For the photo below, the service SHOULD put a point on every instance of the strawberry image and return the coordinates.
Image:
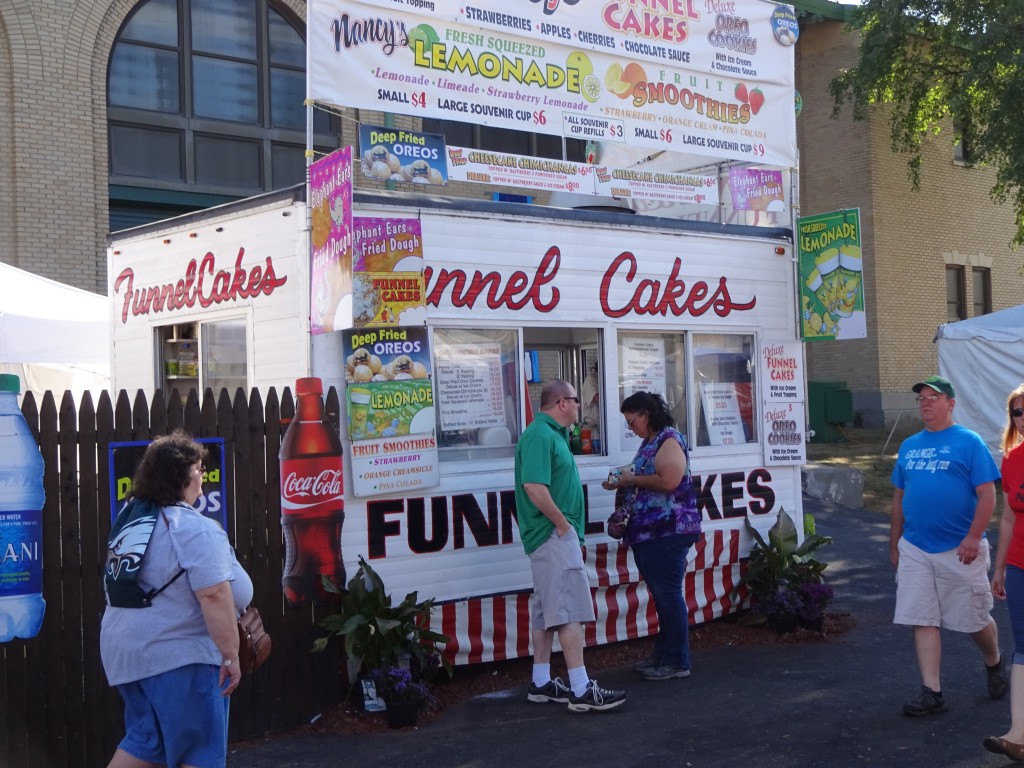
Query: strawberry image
(741, 93)
(756, 100)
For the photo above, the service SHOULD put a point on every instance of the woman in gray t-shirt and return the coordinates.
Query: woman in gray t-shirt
(175, 662)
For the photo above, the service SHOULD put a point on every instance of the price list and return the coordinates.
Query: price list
(469, 386)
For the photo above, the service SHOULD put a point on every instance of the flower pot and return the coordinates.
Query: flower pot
(402, 714)
(815, 625)
(782, 625)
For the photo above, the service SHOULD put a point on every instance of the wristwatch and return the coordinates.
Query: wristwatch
(228, 662)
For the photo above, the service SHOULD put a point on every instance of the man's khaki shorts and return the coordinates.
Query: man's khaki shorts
(561, 590)
(937, 590)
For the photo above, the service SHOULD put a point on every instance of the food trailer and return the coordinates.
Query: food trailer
(454, 313)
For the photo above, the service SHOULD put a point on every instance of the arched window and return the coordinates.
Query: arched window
(204, 105)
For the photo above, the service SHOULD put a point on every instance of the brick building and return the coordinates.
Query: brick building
(84, 149)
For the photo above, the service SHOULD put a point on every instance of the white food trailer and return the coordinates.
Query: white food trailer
(512, 295)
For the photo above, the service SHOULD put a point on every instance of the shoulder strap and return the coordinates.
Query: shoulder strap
(148, 597)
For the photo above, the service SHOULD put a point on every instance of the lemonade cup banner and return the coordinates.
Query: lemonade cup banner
(389, 392)
(501, 69)
(831, 277)
(385, 245)
(408, 157)
(710, 38)
(381, 298)
(330, 274)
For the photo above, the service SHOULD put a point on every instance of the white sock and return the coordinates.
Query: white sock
(541, 674)
(578, 680)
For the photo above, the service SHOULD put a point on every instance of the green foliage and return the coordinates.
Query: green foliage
(941, 65)
(781, 561)
(377, 632)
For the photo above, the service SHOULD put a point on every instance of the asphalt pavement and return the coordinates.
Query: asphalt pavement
(801, 705)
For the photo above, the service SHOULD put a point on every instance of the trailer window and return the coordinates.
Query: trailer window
(723, 376)
(477, 385)
(652, 362)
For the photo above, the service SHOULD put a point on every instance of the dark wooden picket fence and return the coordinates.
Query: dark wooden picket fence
(56, 708)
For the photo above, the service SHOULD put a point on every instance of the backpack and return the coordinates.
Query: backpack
(126, 547)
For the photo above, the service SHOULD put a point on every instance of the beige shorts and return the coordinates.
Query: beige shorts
(937, 590)
(561, 589)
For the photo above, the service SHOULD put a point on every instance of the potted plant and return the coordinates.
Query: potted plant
(814, 598)
(402, 693)
(782, 561)
(781, 609)
(377, 633)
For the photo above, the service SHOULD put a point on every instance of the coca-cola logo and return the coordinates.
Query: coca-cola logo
(325, 484)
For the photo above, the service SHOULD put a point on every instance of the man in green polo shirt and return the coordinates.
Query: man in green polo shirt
(551, 515)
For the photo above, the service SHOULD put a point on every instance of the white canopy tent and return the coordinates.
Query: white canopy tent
(984, 358)
(54, 336)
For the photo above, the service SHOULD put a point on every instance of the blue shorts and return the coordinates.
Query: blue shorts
(178, 717)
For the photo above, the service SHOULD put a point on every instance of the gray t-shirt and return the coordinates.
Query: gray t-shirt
(136, 643)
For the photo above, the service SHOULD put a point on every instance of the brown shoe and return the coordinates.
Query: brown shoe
(1001, 746)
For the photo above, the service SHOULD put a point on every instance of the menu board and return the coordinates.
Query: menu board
(785, 441)
(722, 413)
(781, 371)
(469, 386)
(642, 369)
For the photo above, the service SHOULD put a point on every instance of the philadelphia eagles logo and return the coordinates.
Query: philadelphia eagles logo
(124, 555)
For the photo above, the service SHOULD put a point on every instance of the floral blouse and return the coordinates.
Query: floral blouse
(657, 514)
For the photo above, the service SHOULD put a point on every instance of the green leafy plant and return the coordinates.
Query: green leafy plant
(376, 633)
(782, 561)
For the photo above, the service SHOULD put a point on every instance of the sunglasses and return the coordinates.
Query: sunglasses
(1017, 412)
(574, 399)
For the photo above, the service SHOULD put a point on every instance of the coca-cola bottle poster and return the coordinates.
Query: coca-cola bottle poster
(330, 274)
(389, 399)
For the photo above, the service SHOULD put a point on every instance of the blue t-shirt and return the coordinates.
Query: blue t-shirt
(938, 472)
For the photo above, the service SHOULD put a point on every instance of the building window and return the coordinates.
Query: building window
(205, 98)
(505, 140)
(956, 308)
(982, 286)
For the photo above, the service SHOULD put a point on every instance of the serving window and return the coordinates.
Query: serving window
(487, 381)
(723, 375)
(653, 362)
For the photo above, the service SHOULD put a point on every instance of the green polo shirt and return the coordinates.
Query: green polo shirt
(543, 456)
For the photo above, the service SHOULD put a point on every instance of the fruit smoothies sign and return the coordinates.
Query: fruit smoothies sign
(390, 405)
(330, 198)
(831, 277)
(715, 84)
(392, 154)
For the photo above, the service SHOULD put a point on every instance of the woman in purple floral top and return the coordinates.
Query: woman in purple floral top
(664, 525)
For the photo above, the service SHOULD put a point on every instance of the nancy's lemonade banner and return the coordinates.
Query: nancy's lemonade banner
(705, 78)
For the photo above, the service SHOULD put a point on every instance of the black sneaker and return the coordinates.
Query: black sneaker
(998, 682)
(649, 663)
(927, 702)
(595, 698)
(553, 690)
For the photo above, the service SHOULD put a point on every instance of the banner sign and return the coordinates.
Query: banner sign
(756, 189)
(781, 371)
(391, 154)
(330, 273)
(506, 170)
(387, 245)
(640, 184)
(715, 84)
(831, 277)
(785, 439)
(125, 458)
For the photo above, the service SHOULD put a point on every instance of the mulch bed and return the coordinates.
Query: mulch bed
(350, 717)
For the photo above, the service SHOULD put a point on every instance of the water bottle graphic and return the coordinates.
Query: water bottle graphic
(21, 520)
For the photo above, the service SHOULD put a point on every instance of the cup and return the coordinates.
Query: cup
(171, 367)
(359, 410)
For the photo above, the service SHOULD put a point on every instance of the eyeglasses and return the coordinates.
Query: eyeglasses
(629, 422)
(202, 469)
(574, 399)
(1017, 412)
(927, 398)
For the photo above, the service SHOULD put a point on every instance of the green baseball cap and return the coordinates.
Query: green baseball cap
(939, 384)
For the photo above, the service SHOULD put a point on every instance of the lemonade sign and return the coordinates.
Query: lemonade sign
(831, 277)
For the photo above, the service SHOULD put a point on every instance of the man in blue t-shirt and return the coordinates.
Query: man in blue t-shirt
(944, 499)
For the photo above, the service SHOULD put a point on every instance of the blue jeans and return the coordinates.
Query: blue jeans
(662, 564)
(1015, 604)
